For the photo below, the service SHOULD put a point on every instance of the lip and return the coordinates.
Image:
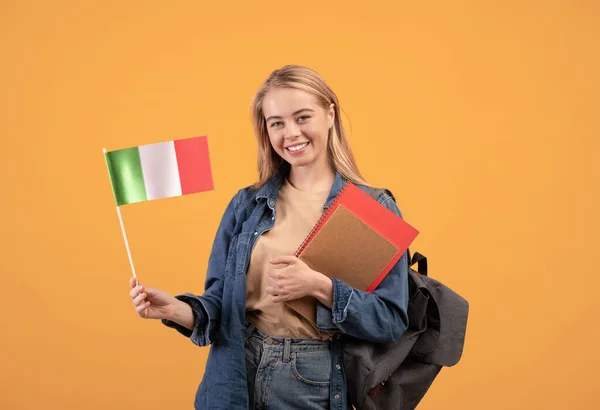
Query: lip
(298, 152)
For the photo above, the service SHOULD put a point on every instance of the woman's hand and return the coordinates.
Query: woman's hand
(297, 280)
(151, 303)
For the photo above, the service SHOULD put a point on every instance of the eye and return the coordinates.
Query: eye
(303, 117)
(275, 123)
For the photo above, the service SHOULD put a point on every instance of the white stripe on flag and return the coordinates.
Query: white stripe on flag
(159, 166)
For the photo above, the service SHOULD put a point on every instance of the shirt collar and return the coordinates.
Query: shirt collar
(270, 189)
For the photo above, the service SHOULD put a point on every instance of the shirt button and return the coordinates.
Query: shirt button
(337, 366)
(337, 396)
(255, 233)
(272, 218)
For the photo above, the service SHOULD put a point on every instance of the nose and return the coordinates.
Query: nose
(292, 131)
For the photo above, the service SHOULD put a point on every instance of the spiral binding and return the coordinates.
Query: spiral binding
(322, 219)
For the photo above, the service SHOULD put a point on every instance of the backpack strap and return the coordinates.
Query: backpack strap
(421, 262)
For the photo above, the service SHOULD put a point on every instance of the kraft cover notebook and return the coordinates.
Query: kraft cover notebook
(357, 240)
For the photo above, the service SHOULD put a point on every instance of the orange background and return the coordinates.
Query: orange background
(478, 116)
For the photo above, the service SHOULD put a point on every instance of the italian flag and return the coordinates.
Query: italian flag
(160, 170)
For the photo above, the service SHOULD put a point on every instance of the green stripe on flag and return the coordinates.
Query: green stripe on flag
(125, 169)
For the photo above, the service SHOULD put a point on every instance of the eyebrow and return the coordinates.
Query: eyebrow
(294, 113)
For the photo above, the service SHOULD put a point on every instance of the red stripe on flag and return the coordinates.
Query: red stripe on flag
(194, 165)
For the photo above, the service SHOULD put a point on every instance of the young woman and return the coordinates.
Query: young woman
(263, 355)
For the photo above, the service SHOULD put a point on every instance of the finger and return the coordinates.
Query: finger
(135, 291)
(133, 282)
(277, 293)
(274, 291)
(140, 299)
(274, 283)
(276, 274)
(288, 259)
(280, 298)
(142, 310)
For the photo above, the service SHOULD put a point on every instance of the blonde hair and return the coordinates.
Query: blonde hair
(339, 153)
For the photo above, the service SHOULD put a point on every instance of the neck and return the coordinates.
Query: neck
(314, 178)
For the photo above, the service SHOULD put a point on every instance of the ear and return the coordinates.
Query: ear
(331, 115)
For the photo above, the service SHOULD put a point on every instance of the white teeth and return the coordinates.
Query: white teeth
(298, 147)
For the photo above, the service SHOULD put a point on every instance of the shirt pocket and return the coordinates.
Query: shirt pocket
(231, 252)
(238, 254)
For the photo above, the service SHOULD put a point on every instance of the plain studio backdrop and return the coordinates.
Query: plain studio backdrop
(482, 118)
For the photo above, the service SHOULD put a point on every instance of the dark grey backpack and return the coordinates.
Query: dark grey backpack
(397, 375)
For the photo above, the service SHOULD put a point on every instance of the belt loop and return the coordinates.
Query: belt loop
(249, 329)
(286, 349)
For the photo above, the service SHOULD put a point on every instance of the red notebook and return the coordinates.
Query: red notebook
(357, 240)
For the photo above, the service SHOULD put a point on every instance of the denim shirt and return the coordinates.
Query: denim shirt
(220, 313)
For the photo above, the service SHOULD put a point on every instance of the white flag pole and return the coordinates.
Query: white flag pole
(122, 227)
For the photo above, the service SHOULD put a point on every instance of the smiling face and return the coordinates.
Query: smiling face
(298, 126)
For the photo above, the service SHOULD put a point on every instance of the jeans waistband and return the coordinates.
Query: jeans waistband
(285, 344)
(275, 340)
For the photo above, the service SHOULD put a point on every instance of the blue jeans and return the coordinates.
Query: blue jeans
(287, 373)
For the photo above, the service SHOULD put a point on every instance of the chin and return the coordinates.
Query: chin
(300, 162)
